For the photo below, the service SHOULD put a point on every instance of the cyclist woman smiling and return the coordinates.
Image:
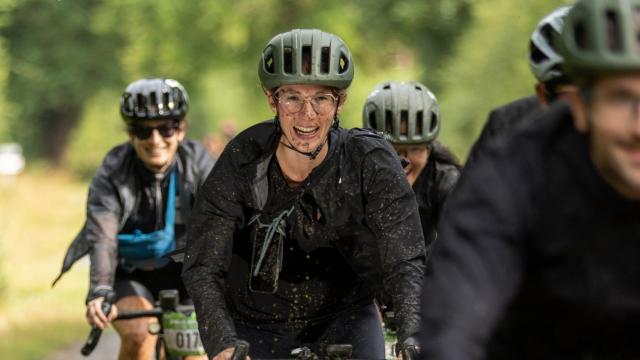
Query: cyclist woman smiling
(301, 221)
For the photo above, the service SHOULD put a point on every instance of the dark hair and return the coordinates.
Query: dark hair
(442, 154)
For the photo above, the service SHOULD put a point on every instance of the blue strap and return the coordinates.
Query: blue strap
(155, 244)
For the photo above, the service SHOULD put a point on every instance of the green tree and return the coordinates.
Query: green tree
(57, 59)
(489, 68)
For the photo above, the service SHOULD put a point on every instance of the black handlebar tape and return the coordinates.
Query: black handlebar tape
(241, 351)
(94, 335)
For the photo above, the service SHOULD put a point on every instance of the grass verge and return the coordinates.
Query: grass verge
(40, 212)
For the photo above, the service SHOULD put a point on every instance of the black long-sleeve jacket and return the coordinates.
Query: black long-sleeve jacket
(432, 188)
(366, 209)
(115, 192)
(501, 121)
(537, 255)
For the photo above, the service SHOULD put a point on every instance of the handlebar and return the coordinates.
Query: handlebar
(168, 302)
(94, 335)
(334, 352)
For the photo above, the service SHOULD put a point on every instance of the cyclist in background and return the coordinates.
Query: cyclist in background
(552, 84)
(408, 115)
(136, 210)
(539, 242)
(301, 221)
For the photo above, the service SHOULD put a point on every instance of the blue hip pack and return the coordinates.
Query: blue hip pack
(141, 246)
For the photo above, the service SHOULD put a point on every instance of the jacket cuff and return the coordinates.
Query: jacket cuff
(98, 291)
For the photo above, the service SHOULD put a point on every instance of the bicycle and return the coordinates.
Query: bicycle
(176, 328)
(334, 352)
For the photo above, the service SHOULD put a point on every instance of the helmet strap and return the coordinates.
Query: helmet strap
(312, 155)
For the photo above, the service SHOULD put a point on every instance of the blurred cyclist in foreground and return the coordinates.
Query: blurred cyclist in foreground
(539, 242)
(552, 84)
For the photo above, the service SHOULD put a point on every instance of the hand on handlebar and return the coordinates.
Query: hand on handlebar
(96, 317)
(226, 354)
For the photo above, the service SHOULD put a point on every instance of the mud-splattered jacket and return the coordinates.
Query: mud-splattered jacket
(537, 256)
(365, 211)
(432, 187)
(113, 195)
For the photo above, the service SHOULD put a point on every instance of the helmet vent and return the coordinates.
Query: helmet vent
(404, 123)
(613, 30)
(434, 123)
(580, 34)
(537, 56)
(153, 103)
(547, 32)
(325, 59)
(372, 120)
(418, 88)
(306, 60)
(126, 103)
(419, 121)
(179, 100)
(387, 87)
(165, 100)
(636, 18)
(388, 122)
(288, 60)
(343, 64)
(268, 61)
(141, 103)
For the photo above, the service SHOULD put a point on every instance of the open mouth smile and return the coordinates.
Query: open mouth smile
(306, 132)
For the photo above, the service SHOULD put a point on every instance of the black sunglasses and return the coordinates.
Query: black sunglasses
(144, 132)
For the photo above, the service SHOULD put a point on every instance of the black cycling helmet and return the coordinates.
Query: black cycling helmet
(601, 36)
(406, 112)
(544, 60)
(153, 99)
(328, 58)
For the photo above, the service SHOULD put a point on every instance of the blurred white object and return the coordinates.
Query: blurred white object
(11, 159)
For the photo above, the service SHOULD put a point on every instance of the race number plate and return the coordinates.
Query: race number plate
(181, 334)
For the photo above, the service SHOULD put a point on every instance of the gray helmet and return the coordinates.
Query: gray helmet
(544, 60)
(600, 36)
(406, 112)
(152, 99)
(328, 56)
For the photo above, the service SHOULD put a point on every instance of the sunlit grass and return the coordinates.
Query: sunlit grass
(40, 213)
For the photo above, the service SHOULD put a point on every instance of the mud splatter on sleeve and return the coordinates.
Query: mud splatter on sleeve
(392, 213)
(215, 218)
(103, 214)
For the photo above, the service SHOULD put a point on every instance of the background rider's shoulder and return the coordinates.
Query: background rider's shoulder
(116, 158)
(363, 141)
(250, 145)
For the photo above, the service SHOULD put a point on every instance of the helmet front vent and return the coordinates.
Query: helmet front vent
(419, 122)
(404, 123)
(325, 59)
(613, 31)
(388, 122)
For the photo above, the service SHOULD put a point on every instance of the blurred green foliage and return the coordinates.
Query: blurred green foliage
(64, 63)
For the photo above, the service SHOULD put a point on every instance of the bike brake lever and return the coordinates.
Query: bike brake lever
(94, 335)
(241, 351)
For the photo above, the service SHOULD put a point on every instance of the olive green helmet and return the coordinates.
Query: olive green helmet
(601, 36)
(406, 112)
(306, 56)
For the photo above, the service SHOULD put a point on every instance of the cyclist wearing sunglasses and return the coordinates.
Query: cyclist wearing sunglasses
(552, 84)
(301, 221)
(138, 202)
(539, 242)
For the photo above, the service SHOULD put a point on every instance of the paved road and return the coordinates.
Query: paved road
(107, 349)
